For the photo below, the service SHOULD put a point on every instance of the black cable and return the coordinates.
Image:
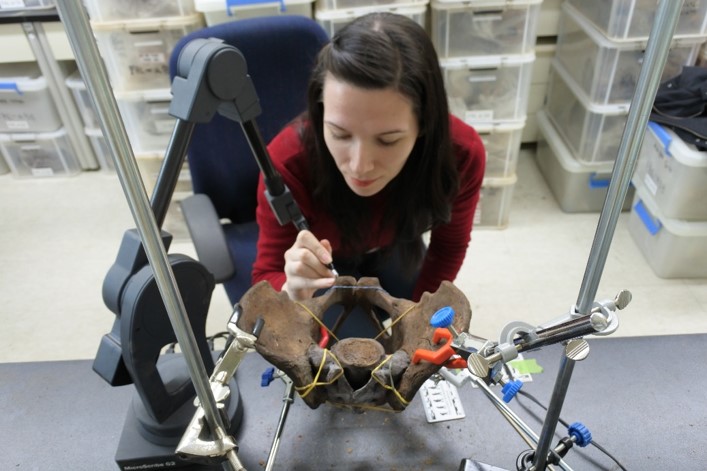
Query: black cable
(566, 424)
(563, 422)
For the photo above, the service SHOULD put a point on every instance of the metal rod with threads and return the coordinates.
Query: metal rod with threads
(646, 87)
(657, 49)
(93, 71)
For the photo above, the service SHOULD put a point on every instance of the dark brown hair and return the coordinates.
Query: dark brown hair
(378, 51)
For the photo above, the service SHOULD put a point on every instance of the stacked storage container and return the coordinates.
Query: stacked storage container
(33, 141)
(136, 39)
(334, 14)
(599, 52)
(487, 52)
(668, 220)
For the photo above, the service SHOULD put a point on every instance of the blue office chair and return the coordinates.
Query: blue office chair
(280, 52)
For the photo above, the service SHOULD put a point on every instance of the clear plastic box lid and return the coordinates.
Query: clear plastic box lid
(221, 5)
(147, 24)
(500, 181)
(32, 136)
(675, 147)
(498, 126)
(21, 77)
(402, 9)
(483, 4)
(153, 94)
(678, 227)
(75, 82)
(483, 62)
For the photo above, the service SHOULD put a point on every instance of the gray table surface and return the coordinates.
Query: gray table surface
(642, 398)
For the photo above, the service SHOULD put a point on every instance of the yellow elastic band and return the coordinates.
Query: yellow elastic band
(317, 319)
(389, 387)
(395, 321)
(315, 382)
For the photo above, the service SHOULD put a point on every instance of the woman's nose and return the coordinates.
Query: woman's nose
(361, 160)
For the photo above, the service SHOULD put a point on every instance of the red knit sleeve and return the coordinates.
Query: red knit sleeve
(449, 242)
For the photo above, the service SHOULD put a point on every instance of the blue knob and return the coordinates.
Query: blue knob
(510, 390)
(581, 434)
(443, 317)
(267, 377)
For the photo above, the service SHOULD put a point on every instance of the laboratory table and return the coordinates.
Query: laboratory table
(642, 398)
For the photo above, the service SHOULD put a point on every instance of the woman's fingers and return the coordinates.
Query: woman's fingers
(305, 266)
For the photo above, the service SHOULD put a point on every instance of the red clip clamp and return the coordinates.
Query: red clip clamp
(445, 355)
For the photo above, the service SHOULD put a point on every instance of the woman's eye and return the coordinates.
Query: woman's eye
(388, 143)
(340, 137)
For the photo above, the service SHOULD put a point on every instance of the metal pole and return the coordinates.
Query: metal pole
(94, 73)
(553, 412)
(657, 49)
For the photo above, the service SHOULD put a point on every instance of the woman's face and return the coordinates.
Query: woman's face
(370, 133)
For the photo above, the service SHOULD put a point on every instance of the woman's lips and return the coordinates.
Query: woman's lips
(361, 183)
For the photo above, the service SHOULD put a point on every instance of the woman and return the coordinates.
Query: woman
(374, 163)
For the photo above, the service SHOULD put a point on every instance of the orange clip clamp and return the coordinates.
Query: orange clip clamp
(443, 355)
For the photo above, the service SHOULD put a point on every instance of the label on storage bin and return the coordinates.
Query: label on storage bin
(152, 58)
(17, 125)
(478, 115)
(12, 4)
(651, 186)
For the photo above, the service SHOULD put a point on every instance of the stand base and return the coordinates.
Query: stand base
(137, 452)
(469, 465)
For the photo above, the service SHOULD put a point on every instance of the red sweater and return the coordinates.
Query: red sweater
(448, 242)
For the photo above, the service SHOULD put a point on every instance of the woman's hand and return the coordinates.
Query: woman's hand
(305, 266)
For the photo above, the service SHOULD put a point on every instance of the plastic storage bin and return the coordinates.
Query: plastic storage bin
(674, 173)
(576, 187)
(150, 163)
(26, 105)
(502, 144)
(488, 88)
(485, 27)
(14, 5)
(674, 248)
(136, 53)
(333, 20)
(592, 132)
(3, 165)
(633, 19)
(39, 154)
(607, 71)
(494, 208)
(217, 11)
(82, 99)
(112, 10)
(147, 120)
(100, 148)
